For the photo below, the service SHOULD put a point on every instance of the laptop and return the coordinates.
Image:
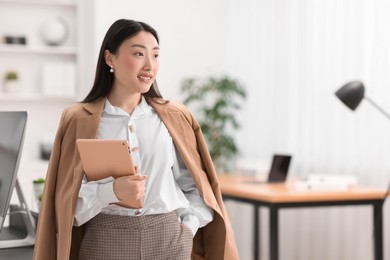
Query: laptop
(279, 169)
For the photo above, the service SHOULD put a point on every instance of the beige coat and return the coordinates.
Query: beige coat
(58, 239)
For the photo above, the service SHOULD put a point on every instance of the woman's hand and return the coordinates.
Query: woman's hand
(131, 187)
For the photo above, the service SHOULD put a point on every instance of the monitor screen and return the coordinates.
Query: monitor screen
(12, 127)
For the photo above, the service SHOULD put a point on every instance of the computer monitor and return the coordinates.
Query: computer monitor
(12, 126)
(12, 129)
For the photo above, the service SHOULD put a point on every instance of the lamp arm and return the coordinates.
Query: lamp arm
(377, 107)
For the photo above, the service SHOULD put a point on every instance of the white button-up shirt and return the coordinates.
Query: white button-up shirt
(169, 185)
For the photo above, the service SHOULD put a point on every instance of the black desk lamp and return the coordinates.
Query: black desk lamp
(352, 93)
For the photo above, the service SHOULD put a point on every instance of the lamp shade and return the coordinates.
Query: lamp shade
(351, 94)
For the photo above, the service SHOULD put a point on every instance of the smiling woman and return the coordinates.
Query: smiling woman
(183, 215)
(135, 65)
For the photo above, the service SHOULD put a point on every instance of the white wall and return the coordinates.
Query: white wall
(293, 56)
(188, 30)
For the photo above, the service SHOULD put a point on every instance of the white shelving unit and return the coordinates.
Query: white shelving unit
(26, 18)
(31, 97)
(42, 69)
(38, 50)
(42, 3)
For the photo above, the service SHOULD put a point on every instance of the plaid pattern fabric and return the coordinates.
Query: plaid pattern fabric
(150, 237)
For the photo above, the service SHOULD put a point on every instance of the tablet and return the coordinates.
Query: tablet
(102, 158)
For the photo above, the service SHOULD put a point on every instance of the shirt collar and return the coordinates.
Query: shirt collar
(141, 109)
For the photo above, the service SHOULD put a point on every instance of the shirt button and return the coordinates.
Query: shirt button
(137, 212)
(132, 128)
(135, 149)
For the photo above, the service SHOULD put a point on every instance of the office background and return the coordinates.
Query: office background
(291, 55)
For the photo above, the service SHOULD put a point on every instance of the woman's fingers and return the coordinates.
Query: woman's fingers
(130, 187)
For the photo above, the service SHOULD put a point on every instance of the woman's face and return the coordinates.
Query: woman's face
(135, 64)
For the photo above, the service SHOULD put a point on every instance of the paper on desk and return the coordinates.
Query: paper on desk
(326, 182)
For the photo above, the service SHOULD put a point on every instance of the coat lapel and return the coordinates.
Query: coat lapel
(87, 128)
(178, 129)
(173, 120)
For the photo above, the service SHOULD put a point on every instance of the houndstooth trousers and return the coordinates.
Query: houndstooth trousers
(150, 237)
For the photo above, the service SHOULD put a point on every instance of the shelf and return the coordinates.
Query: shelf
(25, 49)
(35, 163)
(41, 3)
(34, 97)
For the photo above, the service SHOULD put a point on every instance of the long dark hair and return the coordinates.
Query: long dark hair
(118, 32)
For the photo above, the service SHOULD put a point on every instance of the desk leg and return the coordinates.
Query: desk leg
(274, 237)
(256, 237)
(378, 231)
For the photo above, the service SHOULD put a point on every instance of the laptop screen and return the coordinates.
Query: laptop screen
(12, 127)
(279, 168)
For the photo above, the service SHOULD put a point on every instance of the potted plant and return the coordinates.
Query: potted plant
(11, 82)
(38, 185)
(217, 101)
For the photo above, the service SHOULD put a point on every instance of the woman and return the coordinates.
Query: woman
(183, 215)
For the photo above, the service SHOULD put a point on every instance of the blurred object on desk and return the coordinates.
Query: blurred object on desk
(326, 182)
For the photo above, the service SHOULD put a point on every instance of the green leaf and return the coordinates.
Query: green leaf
(39, 180)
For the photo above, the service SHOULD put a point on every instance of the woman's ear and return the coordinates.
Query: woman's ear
(108, 58)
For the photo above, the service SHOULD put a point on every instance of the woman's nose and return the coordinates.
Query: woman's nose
(148, 64)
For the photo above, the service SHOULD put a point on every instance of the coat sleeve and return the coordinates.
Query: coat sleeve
(231, 252)
(46, 238)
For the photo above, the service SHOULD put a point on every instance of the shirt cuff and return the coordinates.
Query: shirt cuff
(106, 193)
(192, 222)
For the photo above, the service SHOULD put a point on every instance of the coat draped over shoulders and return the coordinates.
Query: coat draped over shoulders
(57, 238)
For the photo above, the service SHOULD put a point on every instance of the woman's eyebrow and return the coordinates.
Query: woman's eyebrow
(144, 47)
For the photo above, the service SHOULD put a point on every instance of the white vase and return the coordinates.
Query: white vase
(12, 86)
(38, 191)
(55, 31)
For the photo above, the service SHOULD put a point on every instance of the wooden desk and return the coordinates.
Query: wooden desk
(282, 195)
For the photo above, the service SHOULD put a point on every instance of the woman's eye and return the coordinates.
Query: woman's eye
(139, 54)
(156, 55)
